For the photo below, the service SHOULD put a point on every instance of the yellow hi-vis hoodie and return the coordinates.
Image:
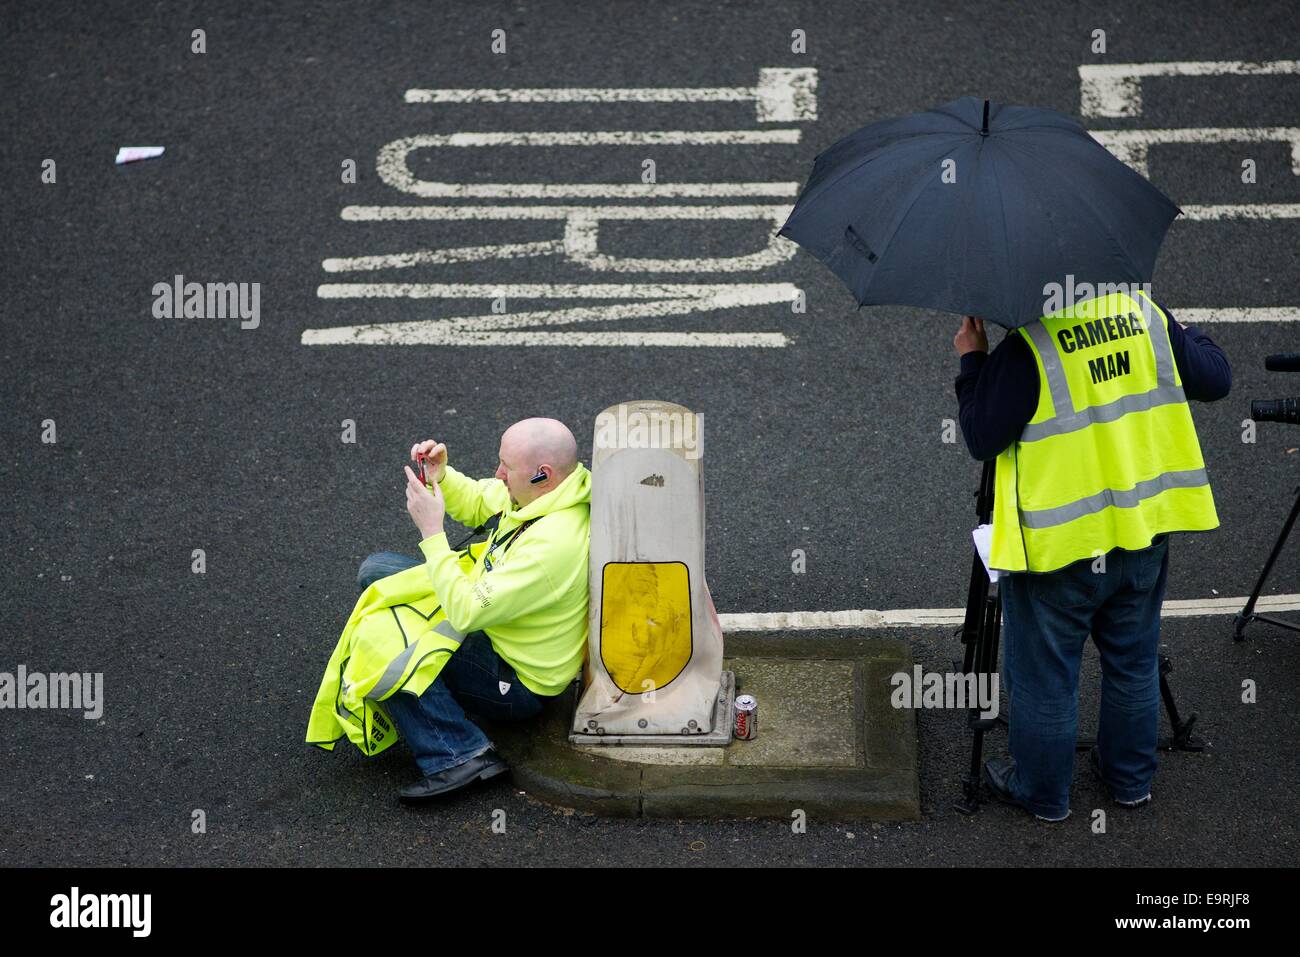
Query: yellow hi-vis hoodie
(396, 640)
(527, 589)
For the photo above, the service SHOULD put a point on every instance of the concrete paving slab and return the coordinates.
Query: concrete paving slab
(829, 743)
(806, 716)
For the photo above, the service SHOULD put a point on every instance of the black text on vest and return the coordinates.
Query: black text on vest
(1100, 331)
(1110, 366)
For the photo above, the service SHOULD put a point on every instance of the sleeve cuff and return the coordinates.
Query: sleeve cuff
(435, 545)
(972, 362)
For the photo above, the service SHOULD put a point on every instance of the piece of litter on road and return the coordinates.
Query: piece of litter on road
(129, 154)
(1215, 590)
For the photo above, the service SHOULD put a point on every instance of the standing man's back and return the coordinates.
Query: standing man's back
(1098, 460)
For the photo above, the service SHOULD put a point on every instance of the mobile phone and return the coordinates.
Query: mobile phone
(422, 462)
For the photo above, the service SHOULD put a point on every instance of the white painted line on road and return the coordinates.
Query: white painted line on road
(458, 337)
(585, 94)
(449, 213)
(1132, 146)
(458, 254)
(1256, 314)
(1115, 89)
(443, 331)
(400, 178)
(950, 617)
(782, 95)
(582, 226)
(596, 138)
(1243, 211)
(755, 293)
(394, 171)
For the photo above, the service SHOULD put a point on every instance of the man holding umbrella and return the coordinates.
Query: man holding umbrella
(982, 210)
(1115, 589)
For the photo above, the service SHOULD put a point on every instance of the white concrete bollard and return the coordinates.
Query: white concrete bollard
(654, 652)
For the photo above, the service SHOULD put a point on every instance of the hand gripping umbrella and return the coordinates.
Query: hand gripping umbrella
(973, 207)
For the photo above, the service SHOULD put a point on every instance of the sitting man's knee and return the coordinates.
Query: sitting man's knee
(370, 570)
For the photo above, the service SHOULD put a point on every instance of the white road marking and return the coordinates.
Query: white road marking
(582, 227)
(393, 170)
(1132, 146)
(1228, 314)
(949, 617)
(448, 213)
(474, 330)
(400, 178)
(782, 95)
(1243, 211)
(1115, 89)
(458, 254)
(596, 138)
(755, 293)
(458, 337)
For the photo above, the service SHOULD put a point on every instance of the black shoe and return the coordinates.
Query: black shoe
(1094, 758)
(997, 775)
(480, 768)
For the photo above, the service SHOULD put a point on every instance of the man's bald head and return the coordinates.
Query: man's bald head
(536, 445)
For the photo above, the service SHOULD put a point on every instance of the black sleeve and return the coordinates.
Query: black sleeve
(1202, 365)
(997, 394)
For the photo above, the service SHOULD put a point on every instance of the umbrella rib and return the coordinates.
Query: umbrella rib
(1084, 198)
(917, 192)
(873, 155)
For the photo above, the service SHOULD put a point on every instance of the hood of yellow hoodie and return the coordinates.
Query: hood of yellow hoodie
(574, 490)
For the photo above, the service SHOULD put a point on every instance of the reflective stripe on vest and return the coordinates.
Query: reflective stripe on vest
(1113, 462)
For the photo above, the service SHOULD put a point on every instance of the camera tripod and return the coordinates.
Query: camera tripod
(980, 633)
(1248, 614)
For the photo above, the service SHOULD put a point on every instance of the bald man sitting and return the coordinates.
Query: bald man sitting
(523, 606)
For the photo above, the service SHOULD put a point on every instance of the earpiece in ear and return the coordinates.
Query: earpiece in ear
(539, 477)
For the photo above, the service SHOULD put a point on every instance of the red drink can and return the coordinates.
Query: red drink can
(746, 727)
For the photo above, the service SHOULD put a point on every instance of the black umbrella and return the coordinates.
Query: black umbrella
(974, 208)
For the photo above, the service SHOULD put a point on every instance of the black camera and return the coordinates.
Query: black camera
(1278, 410)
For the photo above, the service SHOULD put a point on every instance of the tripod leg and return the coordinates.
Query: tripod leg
(979, 634)
(1247, 614)
(1182, 738)
(983, 653)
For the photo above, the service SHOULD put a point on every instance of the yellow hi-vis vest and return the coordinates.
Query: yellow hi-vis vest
(1110, 457)
(396, 641)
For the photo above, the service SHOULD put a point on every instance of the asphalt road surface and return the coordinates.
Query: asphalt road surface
(824, 429)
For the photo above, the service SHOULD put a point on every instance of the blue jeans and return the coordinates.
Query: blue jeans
(435, 725)
(1046, 618)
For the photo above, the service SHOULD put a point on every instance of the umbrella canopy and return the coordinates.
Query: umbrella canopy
(974, 208)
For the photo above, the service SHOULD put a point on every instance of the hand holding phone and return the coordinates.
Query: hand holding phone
(431, 461)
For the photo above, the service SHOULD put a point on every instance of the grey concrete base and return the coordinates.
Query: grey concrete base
(724, 713)
(829, 743)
